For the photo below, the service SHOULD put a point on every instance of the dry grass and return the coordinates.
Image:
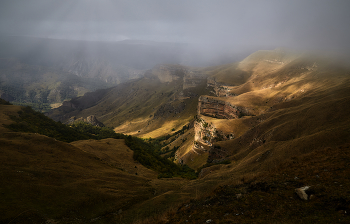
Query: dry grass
(270, 197)
(303, 135)
(44, 179)
(115, 153)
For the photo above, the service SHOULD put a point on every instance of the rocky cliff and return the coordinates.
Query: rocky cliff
(219, 89)
(205, 133)
(219, 109)
(90, 120)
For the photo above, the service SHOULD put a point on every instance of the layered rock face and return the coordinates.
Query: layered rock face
(219, 109)
(219, 89)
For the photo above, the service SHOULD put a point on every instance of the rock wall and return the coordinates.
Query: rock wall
(219, 109)
(205, 133)
(219, 89)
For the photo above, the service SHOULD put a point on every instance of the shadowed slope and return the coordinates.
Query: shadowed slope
(45, 180)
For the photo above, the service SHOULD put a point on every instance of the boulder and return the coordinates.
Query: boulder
(301, 192)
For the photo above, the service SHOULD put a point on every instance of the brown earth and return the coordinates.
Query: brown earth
(297, 134)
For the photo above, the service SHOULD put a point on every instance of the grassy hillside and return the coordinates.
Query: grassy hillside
(271, 198)
(101, 181)
(147, 107)
(297, 134)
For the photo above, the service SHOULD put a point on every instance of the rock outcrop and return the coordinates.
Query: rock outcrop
(93, 121)
(219, 109)
(90, 120)
(219, 89)
(205, 133)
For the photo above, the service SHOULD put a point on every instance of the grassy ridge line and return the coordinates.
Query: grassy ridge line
(4, 102)
(31, 121)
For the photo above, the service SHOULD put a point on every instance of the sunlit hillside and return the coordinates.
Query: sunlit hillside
(254, 131)
(165, 99)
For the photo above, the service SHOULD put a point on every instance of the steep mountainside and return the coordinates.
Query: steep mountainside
(43, 72)
(45, 180)
(41, 87)
(288, 103)
(239, 102)
(269, 137)
(275, 124)
(165, 98)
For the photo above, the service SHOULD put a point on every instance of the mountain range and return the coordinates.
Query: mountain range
(257, 132)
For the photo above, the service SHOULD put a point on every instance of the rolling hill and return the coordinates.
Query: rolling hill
(98, 181)
(165, 98)
(255, 131)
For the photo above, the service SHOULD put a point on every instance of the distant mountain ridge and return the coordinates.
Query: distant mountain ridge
(222, 97)
(257, 131)
(41, 71)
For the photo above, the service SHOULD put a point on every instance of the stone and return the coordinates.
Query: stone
(93, 121)
(301, 192)
(217, 108)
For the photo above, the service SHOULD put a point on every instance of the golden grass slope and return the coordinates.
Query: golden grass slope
(300, 136)
(131, 108)
(294, 133)
(44, 180)
(301, 104)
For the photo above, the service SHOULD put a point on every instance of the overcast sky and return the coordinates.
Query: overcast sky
(272, 23)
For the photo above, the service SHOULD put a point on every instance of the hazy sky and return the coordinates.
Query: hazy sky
(272, 23)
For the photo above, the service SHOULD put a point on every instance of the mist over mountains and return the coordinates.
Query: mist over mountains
(43, 71)
(172, 112)
(208, 143)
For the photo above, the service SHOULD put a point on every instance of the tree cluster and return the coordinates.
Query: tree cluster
(147, 153)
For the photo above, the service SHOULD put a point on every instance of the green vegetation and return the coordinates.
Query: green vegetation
(4, 102)
(31, 121)
(172, 151)
(97, 132)
(147, 153)
(42, 107)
